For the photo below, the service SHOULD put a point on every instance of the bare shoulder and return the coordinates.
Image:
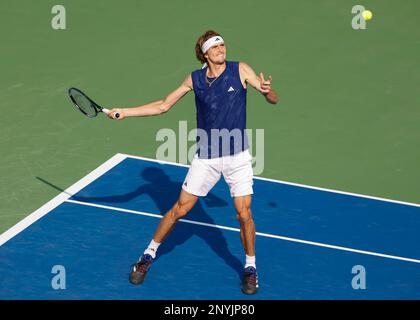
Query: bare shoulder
(188, 82)
(245, 70)
(244, 66)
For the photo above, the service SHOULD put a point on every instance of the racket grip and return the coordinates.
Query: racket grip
(117, 115)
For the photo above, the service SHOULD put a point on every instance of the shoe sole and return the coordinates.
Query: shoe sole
(136, 281)
(249, 291)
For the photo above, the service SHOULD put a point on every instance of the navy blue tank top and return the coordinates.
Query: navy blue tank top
(221, 112)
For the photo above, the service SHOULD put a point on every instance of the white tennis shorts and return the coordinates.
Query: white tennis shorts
(205, 173)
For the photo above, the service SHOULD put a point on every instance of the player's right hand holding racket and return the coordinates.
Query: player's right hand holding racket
(89, 107)
(116, 111)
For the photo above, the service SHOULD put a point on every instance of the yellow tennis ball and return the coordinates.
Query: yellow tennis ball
(367, 15)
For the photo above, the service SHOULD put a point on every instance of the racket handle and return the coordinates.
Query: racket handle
(117, 115)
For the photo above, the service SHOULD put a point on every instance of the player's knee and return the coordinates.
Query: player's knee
(244, 215)
(181, 210)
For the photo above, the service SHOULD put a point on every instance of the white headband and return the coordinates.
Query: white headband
(211, 42)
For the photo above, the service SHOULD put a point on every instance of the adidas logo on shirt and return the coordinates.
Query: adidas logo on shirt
(231, 89)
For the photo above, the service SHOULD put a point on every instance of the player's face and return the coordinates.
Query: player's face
(217, 53)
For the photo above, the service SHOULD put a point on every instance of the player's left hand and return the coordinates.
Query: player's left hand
(265, 84)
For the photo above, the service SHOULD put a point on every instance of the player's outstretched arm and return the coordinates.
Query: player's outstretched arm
(258, 82)
(156, 107)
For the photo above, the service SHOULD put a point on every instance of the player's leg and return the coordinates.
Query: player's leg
(246, 221)
(243, 209)
(237, 171)
(184, 204)
(199, 181)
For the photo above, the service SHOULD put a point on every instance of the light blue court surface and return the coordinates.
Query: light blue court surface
(307, 244)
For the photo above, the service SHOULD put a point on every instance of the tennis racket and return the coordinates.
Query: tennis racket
(86, 105)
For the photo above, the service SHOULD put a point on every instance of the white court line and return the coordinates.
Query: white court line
(290, 183)
(59, 199)
(318, 244)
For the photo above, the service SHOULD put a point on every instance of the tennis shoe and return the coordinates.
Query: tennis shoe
(140, 268)
(250, 281)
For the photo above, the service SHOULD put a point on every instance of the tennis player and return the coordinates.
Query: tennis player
(220, 89)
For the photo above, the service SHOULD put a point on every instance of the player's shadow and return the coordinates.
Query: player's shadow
(164, 192)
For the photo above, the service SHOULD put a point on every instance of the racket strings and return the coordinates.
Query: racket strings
(84, 104)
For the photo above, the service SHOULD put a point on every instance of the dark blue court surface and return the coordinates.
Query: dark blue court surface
(296, 226)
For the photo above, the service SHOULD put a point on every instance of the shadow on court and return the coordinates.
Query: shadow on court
(164, 192)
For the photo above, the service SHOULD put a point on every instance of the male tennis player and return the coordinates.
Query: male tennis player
(220, 89)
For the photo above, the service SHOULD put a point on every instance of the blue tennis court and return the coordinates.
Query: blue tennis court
(308, 241)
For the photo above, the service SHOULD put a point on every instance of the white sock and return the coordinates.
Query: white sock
(152, 248)
(250, 261)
